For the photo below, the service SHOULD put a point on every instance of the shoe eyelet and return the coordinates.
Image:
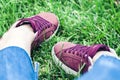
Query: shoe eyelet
(69, 51)
(73, 53)
(85, 55)
(77, 54)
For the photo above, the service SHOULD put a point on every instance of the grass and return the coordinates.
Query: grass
(81, 21)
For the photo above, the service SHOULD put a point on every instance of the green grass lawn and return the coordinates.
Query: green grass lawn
(81, 21)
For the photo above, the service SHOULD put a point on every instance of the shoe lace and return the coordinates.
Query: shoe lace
(43, 24)
(81, 51)
(38, 23)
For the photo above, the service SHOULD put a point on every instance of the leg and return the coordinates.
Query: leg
(15, 47)
(16, 44)
(22, 36)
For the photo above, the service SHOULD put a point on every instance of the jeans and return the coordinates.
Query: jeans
(105, 68)
(15, 64)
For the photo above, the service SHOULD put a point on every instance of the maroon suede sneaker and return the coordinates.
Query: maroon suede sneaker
(72, 57)
(44, 24)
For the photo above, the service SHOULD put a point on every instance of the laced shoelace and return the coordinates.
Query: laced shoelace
(38, 23)
(78, 50)
(81, 51)
(43, 24)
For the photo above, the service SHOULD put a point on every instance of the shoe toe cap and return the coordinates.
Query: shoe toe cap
(62, 45)
(50, 17)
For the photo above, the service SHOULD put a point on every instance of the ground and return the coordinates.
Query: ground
(81, 21)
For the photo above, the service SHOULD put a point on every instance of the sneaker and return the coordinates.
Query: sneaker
(75, 58)
(45, 24)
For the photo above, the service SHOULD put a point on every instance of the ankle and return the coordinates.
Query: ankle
(26, 27)
(22, 36)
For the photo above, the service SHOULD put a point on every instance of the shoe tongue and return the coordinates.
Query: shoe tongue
(95, 48)
(36, 22)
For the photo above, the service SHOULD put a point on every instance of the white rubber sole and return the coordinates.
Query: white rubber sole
(62, 65)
